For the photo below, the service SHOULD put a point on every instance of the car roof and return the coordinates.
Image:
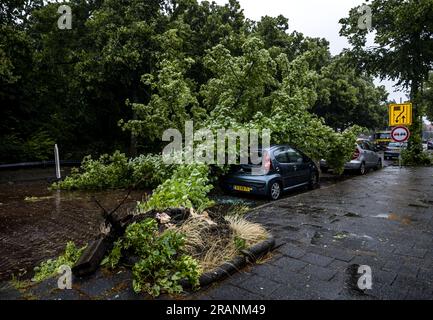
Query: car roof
(275, 146)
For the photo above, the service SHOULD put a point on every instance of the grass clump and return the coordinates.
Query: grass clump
(213, 243)
(249, 232)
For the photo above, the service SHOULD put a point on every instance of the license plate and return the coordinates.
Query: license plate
(243, 189)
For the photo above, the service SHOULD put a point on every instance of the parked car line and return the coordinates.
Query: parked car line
(365, 157)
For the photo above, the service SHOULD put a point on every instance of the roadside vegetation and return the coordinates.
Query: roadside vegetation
(188, 187)
(116, 171)
(181, 251)
(409, 158)
(164, 254)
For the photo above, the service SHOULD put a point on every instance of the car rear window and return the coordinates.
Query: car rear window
(250, 162)
(281, 156)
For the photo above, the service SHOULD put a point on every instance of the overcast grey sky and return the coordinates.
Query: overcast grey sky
(314, 18)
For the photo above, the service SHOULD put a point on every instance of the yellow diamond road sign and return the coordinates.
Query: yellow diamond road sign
(400, 114)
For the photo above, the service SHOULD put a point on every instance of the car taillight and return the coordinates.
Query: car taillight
(356, 154)
(267, 163)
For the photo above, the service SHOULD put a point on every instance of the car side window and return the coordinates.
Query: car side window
(281, 156)
(294, 156)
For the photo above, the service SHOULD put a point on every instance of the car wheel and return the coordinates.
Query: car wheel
(275, 190)
(379, 164)
(314, 180)
(362, 169)
(324, 170)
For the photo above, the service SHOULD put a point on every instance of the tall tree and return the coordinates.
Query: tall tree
(427, 97)
(347, 98)
(403, 49)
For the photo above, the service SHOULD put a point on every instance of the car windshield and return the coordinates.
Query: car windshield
(247, 167)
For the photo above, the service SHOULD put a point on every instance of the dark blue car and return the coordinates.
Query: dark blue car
(284, 167)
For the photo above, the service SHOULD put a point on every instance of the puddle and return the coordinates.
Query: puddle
(344, 235)
(383, 216)
(364, 236)
(34, 199)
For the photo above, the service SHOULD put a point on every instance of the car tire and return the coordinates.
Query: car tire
(324, 170)
(314, 180)
(379, 164)
(275, 190)
(362, 169)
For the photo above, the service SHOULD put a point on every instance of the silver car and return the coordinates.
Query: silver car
(364, 158)
(393, 150)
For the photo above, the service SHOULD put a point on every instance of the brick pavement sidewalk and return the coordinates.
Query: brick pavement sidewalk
(383, 220)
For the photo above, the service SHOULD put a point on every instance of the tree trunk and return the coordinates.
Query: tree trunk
(133, 141)
(415, 141)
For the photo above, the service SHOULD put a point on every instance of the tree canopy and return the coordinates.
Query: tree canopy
(144, 66)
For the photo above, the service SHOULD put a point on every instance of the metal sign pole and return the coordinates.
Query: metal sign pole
(57, 161)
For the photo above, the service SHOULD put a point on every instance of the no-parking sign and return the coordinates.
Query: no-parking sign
(400, 134)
